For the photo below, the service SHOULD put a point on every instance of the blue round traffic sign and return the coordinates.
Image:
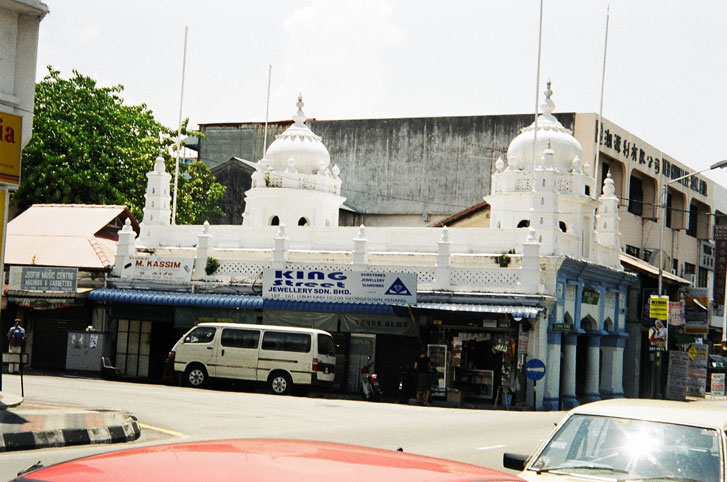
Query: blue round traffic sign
(535, 369)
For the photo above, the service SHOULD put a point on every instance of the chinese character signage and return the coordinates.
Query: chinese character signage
(720, 263)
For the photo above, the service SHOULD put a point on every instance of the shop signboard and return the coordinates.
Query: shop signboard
(717, 384)
(676, 383)
(720, 264)
(340, 286)
(676, 313)
(10, 131)
(158, 268)
(695, 313)
(697, 371)
(659, 315)
(32, 278)
(562, 327)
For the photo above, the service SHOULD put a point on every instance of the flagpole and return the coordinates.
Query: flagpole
(267, 110)
(599, 129)
(537, 87)
(179, 129)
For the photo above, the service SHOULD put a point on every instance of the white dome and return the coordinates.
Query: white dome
(298, 143)
(551, 134)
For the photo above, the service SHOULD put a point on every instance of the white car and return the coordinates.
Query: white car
(627, 439)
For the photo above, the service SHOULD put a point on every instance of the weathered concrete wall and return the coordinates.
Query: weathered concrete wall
(428, 167)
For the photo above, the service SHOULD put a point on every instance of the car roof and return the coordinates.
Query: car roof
(698, 413)
(294, 329)
(264, 459)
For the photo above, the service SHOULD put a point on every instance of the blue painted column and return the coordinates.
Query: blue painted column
(551, 394)
(568, 398)
(593, 366)
(612, 347)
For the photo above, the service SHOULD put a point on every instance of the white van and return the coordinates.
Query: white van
(279, 356)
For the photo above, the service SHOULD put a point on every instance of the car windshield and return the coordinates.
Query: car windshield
(632, 449)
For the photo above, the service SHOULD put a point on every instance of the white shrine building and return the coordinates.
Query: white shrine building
(544, 281)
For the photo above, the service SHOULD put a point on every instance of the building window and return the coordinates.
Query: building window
(633, 251)
(275, 221)
(702, 278)
(636, 196)
(693, 217)
(668, 211)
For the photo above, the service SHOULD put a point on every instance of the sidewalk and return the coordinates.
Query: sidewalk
(29, 427)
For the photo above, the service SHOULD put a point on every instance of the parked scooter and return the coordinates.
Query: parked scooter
(407, 379)
(370, 383)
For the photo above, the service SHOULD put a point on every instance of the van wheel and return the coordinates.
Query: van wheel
(195, 376)
(280, 383)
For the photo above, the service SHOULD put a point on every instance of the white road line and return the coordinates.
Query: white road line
(492, 447)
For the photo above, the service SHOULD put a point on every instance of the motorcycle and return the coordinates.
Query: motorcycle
(370, 383)
(407, 381)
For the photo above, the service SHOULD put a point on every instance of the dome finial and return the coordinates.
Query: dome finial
(548, 106)
(299, 116)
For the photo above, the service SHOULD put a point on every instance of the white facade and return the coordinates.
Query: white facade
(542, 214)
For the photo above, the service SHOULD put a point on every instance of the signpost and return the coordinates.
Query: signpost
(535, 370)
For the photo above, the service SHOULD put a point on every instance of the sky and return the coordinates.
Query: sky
(665, 76)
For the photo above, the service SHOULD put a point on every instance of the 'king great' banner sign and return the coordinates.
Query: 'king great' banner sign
(340, 286)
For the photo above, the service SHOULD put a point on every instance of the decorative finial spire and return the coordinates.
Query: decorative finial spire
(548, 106)
(299, 116)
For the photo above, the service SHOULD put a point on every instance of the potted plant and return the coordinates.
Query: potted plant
(504, 260)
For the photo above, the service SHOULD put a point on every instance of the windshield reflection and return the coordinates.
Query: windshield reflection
(596, 445)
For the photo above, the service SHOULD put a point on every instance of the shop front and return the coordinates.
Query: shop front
(478, 351)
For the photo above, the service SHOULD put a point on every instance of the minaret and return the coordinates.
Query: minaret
(157, 198)
(607, 220)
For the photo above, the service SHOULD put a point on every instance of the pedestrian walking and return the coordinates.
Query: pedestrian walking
(423, 368)
(16, 339)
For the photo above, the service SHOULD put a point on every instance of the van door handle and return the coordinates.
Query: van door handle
(223, 353)
(209, 347)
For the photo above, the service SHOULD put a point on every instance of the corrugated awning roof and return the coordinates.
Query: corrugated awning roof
(64, 235)
(209, 300)
(649, 269)
(513, 310)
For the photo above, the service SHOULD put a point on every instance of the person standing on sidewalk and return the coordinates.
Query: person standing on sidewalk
(16, 338)
(423, 367)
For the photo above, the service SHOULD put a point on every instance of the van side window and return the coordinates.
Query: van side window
(279, 341)
(203, 334)
(240, 338)
(326, 345)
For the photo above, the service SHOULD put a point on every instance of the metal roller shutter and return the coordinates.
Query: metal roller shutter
(50, 335)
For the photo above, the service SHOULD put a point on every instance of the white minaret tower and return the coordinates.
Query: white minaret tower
(293, 185)
(156, 206)
(607, 220)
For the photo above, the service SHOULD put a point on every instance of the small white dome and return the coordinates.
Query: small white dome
(551, 134)
(299, 144)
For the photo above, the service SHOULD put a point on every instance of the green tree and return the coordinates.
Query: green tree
(88, 147)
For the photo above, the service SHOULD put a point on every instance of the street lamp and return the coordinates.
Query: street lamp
(717, 165)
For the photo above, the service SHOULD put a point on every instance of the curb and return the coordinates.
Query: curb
(125, 432)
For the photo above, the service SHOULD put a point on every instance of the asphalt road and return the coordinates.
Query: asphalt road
(169, 414)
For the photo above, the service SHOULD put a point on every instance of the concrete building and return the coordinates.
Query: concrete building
(20, 23)
(544, 280)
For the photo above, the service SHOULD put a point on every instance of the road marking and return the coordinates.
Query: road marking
(163, 430)
(492, 447)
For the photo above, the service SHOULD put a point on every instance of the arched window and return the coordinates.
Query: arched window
(275, 221)
(303, 222)
(562, 226)
(525, 223)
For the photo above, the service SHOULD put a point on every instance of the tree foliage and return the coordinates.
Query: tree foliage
(88, 147)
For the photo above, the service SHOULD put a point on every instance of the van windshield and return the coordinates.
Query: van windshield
(326, 345)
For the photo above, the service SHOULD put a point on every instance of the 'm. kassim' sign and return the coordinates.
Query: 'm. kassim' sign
(158, 268)
(340, 286)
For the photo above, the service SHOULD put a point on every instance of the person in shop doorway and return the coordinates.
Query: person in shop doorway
(16, 338)
(423, 368)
